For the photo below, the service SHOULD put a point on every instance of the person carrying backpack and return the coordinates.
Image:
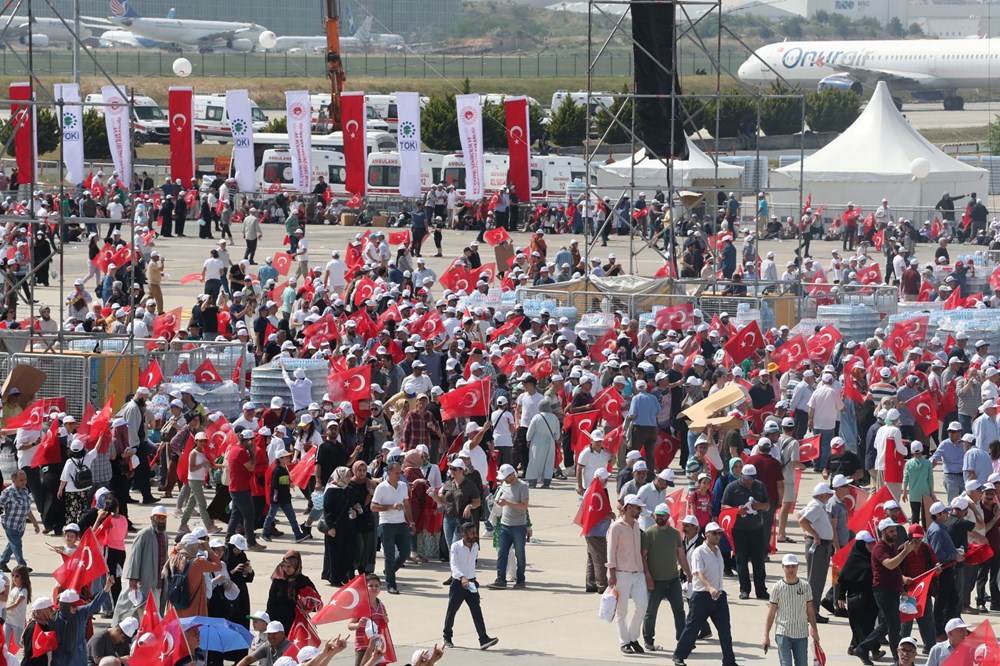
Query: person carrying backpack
(76, 484)
(185, 579)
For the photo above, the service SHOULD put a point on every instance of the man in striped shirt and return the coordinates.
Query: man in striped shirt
(791, 612)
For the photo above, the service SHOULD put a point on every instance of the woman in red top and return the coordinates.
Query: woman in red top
(377, 614)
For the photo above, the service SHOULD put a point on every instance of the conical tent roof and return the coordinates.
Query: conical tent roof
(650, 170)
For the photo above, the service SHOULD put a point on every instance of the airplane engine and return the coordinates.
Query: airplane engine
(841, 82)
(38, 39)
(241, 45)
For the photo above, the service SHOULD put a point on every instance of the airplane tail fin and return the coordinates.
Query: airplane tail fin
(172, 13)
(351, 25)
(123, 9)
(364, 33)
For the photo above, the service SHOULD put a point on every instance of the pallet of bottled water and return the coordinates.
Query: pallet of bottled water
(855, 321)
(267, 382)
(807, 327)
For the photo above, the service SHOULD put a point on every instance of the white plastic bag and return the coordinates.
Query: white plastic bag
(609, 604)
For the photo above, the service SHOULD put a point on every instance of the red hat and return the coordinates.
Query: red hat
(915, 532)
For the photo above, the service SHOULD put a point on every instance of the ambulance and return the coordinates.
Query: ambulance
(549, 175)
(383, 172)
(211, 119)
(275, 171)
(148, 120)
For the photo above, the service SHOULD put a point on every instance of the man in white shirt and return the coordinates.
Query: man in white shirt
(526, 408)
(708, 600)
(417, 382)
(591, 459)
(503, 431)
(252, 233)
(825, 405)
(334, 278)
(300, 387)
(464, 588)
(653, 494)
(815, 523)
(391, 502)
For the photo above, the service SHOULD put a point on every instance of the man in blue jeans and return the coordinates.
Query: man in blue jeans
(887, 584)
(391, 502)
(16, 503)
(512, 503)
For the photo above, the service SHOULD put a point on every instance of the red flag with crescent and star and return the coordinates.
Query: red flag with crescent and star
(180, 103)
(923, 407)
(791, 353)
(580, 426)
(348, 603)
(207, 374)
(472, 399)
(351, 385)
(676, 317)
(594, 507)
(303, 633)
(49, 452)
(519, 146)
(496, 236)
(979, 648)
(151, 376)
(84, 566)
(745, 343)
(727, 520)
(167, 645)
(609, 402)
(354, 115)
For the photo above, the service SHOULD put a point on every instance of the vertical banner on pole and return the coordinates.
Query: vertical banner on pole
(180, 106)
(116, 122)
(353, 115)
(299, 115)
(241, 125)
(519, 146)
(408, 141)
(71, 126)
(23, 117)
(470, 134)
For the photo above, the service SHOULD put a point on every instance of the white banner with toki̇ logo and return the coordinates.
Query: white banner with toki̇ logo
(470, 134)
(299, 115)
(116, 122)
(71, 125)
(408, 140)
(239, 110)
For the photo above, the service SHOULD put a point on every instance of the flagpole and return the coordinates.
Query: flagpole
(30, 274)
(61, 108)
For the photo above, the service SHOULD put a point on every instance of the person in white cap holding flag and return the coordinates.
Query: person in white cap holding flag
(795, 614)
(627, 573)
(889, 449)
(956, 631)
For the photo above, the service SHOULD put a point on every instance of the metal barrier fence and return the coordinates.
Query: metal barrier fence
(94, 367)
(385, 65)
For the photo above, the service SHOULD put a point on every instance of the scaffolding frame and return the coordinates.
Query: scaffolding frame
(685, 31)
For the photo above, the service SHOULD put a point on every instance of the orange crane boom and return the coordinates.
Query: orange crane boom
(334, 63)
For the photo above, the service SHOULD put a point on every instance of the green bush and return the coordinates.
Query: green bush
(95, 136)
(568, 126)
(780, 115)
(736, 112)
(994, 136)
(277, 125)
(439, 123)
(832, 110)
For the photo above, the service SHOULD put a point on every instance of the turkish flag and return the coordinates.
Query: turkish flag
(31, 418)
(972, 300)
(304, 469)
(955, 301)
(192, 277)
(923, 407)
(167, 645)
(507, 328)
(180, 102)
(427, 327)
(678, 506)
(949, 402)
(839, 558)
(353, 122)
(665, 271)
(366, 327)
(924, 296)
(49, 452)
(399, 237)
(99, 427)
(206, 373)
(122, 256)
(496, 236)
(150, 616)
(613, 440)
(727, 520)
(665, 449)
(978, 553)
(281, 262)
(472, 399)
(363, 290)
(151, 376)
(677, 317)
(580, 426)
(221, 435)
(995, 279)
(43, 642)
(915, 328)
(391, 313)
(185, 460)
(348, 603)
(745, 343)
(809, 449)
(791, 353)
(868, 515)
(25, 132)
(167, 324)
(322, 330)
(519, 146)
(84, 566)
(458, 279)
(103, 257)
(487, 271)
(979, 648)
(182, 369)
(594, 507)
(609, 402)
(898, 342)
(350, 385)
(870, 275)
(303, 632)
(878, 240)
(606, 343)
(352, 256)
(855, 499)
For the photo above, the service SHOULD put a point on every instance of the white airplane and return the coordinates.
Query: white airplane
(205, 35)
(362, 38)
(49, 30)
(921, 65)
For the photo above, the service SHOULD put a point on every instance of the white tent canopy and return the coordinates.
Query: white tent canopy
(873, 159)
(699, 170)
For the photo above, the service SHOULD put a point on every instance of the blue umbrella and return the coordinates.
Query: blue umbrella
(219, 634)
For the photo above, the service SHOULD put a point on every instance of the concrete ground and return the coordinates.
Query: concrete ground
(551, 622)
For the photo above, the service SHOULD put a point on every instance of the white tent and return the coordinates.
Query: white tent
(697, 171)
(872, 159)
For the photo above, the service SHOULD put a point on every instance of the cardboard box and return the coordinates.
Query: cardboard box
(504, 255)
(380, 221)
(704, 413)
(348, 219)
(28, 380)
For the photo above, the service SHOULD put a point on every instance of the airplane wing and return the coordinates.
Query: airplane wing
(221, 36)
(871, 76)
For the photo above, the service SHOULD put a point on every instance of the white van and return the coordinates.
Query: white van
(275, 171)
(383, 172)
(498, 98)
(597, 99)
(151, 124)
(211, 118)
(551, 174)
(377, 141)
(319, 104)
(495, 175)
(385, 106)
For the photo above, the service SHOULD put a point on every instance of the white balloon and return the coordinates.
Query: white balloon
(182, 67)
(267, 39)
(920, 168)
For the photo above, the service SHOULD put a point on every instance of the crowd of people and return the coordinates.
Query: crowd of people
(400, 469)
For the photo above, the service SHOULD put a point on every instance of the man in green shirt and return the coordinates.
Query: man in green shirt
(662, 551)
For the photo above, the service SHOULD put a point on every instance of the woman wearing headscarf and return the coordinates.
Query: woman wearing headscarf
(361, 489)
(290, 589)
(543, 437)
(242, 574)
(426, 544)
(340, 539)
(854, 589)
(185, 558)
